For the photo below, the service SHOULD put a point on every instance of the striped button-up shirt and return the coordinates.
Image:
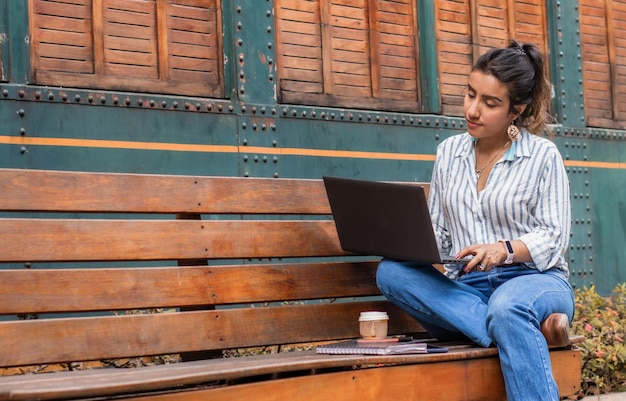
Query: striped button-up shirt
(526, 197)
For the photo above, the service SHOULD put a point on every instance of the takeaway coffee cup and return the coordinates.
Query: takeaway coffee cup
(373, 325)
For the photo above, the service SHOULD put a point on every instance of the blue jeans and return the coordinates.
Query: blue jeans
(503, 307)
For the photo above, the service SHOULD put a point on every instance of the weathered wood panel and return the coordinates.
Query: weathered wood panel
(348, 53)
(165, 46)
(468, 28)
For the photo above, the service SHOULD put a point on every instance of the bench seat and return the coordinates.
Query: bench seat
(100, 267)
(211, 376)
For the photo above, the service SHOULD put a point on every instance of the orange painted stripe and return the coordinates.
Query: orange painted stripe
(580, 163)
(353, 154)
(182, 147)
(99, 143)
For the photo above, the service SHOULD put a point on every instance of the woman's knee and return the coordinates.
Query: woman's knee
(505, 317)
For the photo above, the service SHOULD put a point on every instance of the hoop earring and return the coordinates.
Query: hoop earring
(513, 132)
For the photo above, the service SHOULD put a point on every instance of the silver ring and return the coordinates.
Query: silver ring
(482, 267)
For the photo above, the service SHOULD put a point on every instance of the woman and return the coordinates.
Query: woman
(501, 194)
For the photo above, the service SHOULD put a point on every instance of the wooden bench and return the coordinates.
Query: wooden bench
(109, 270)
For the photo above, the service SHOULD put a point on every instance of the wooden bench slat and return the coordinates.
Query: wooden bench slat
(111, 192)
(95, 338)
(119, 240)
(29, 291)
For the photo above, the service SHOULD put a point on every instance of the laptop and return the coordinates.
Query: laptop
(384, 219)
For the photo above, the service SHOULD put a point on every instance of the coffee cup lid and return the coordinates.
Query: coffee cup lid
(373, 315)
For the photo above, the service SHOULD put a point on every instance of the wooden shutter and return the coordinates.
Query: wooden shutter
(468, 28)
(394, 43)
(348, 53)
(162, 46)
(603, 30)
(454, 52)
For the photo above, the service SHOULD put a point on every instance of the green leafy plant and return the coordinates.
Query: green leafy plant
(602, 321)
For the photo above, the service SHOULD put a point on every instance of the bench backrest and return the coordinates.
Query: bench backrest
(227, 262)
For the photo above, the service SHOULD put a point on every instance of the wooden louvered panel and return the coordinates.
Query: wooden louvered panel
(597, 87)
(491, 24)
(454, 52)
(617, 43)
(593, 31)
(529, 23)
(619, 91)
(130, 38)
(466, 29)
(166, 46)
(596, 69)
(347, 49)
(299, 39)
(62, 37)
(396, 44)
(193, 29)
(603, 29)
(453, 21)
(348, 53)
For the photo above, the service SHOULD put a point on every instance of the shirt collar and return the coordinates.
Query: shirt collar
(519, 148)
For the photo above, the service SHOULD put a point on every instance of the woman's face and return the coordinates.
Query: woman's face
(487, 107)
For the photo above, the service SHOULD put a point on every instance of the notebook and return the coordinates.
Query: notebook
(353, 347)
(384, 219)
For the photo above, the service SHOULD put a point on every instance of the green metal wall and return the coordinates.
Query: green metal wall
(250, 134)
